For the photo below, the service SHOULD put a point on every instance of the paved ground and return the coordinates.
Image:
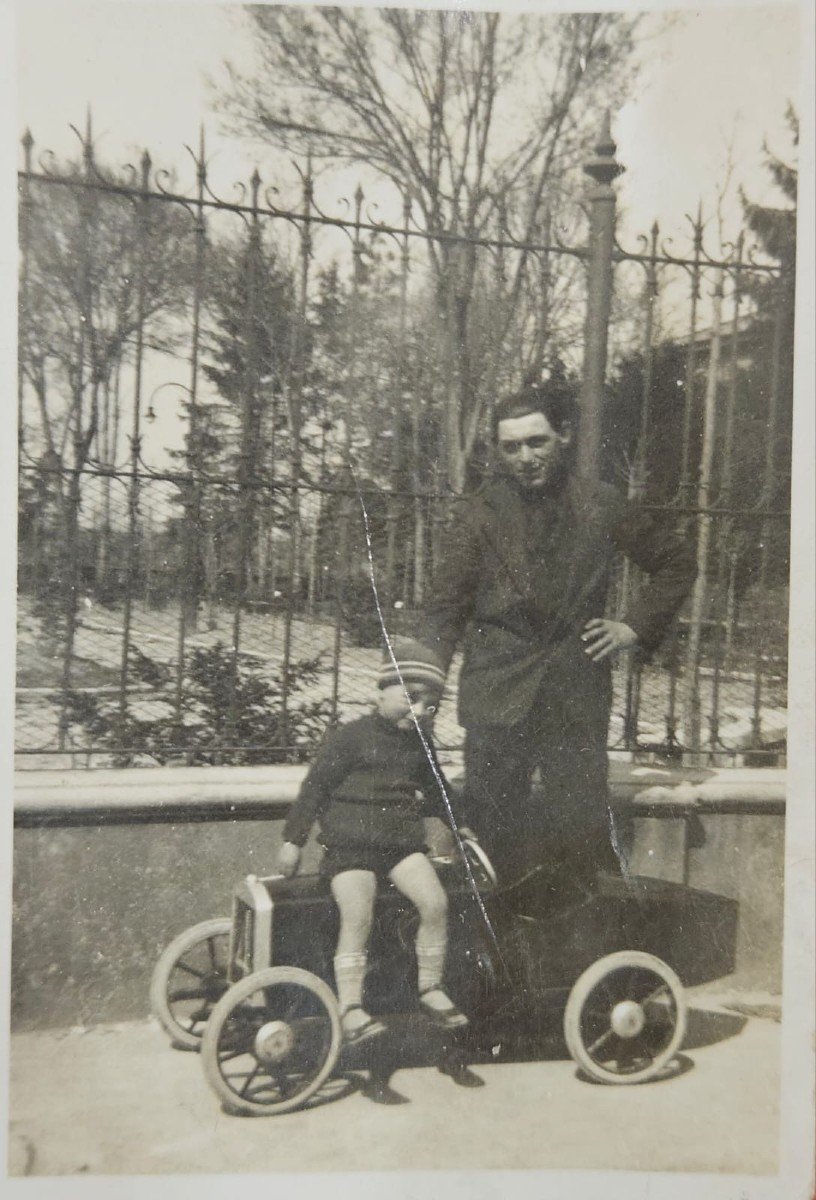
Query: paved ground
(119, 1100)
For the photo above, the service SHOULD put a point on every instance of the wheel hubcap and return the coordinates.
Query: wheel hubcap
(628, 1019)
(273, 1042)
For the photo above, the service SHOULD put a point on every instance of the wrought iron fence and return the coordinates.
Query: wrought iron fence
(213, 601)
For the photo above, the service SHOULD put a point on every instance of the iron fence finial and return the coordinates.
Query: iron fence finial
(698, 224)
(202, 153)
(27, 142)
(87, 141)
(604, 167)
(255, 184)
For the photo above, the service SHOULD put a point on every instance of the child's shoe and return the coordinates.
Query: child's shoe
(441, 1011)
(360, 1027)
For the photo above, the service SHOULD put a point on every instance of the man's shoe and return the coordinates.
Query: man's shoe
(461, 1074)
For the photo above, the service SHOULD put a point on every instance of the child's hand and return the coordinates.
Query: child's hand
(467, 834)
(288, 859)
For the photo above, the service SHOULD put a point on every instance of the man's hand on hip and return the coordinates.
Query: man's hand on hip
(602, 638)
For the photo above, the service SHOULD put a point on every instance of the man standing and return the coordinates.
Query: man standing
(522, 583)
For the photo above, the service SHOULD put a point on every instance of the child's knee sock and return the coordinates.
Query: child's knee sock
(430, 964)
(349, 974)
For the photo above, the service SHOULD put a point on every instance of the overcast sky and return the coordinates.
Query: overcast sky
(713, 79)
(709, 81)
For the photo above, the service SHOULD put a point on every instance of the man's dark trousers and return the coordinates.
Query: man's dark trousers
(566, 821)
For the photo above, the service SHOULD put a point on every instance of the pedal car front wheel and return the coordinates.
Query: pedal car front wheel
(625, 1019)
(188, 980)
(271, 1042)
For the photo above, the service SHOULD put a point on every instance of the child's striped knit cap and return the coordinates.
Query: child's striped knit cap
(415, 663)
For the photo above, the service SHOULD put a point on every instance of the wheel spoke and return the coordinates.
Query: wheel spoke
(239, 1030)
(211, 952)
(229, 1054)
(632, 1050)
(187, 994)
(601, 1041)
(183, 966)
(250, 1077)
(200, 1015)
(284, 1083)
(598, 1013)
(664, 987)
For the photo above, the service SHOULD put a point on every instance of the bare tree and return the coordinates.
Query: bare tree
(479, 118)
(98, 269)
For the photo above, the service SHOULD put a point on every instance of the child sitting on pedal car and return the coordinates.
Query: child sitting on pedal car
(370, 785)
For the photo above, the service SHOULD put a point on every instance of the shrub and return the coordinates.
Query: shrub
(229, 713)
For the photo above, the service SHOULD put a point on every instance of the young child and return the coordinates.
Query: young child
(369, 785)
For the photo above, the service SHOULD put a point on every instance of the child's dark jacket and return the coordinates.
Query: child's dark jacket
(370, 784)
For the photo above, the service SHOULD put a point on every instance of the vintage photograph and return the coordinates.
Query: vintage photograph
(405, 419)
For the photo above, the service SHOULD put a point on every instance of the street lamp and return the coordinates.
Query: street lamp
(150, 415)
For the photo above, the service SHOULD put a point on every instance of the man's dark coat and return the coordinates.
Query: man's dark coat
(518, 578)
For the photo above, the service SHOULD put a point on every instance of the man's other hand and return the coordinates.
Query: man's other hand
(288, 859)
(602, 638)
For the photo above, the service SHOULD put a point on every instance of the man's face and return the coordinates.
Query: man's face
(531, 450)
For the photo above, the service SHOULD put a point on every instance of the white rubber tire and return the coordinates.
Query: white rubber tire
(579, 995)
(268, 977)
(481, 861)
(160, 980)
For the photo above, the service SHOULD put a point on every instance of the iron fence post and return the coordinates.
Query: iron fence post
(686, 481)
(544, 284)
(296, 374)
(22, 327)
(192, 554)
(135, 438)
(603, 168)
(630, 583)
(247, 468)
(71, 546)
(699, 599)
(725, 531)
(781, 300)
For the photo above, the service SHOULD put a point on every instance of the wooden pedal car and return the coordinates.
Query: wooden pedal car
(253, 993)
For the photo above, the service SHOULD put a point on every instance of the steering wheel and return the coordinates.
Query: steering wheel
(480, 866)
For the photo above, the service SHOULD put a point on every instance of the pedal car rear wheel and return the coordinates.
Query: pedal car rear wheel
(271, 1041)
(188, 980)
(625, 1018)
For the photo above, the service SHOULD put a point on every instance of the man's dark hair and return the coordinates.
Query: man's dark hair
(555, 399)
